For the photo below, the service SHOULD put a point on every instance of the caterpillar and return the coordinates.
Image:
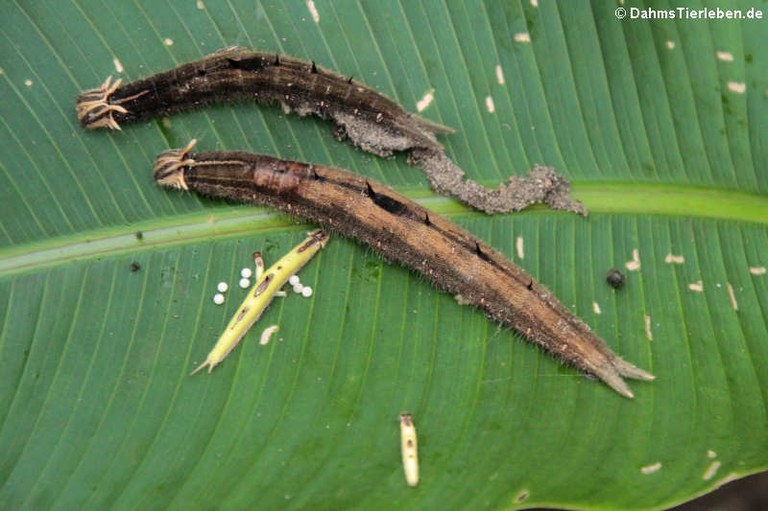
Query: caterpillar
(406, 233)
(366, 117)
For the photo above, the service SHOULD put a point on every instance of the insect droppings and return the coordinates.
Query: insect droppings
(489, 104)
(522, 37)
(266, 335)
(650, 469)
(615, 278)
(711, 470)
(732, 296)
(425, 101)
(737, 87)
(499, 74)
(313, 11)
(648, 331)
(674, 259)
(520, 247)
(725, 56)
(634, 263)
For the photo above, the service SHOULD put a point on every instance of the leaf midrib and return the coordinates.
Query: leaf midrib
(600, 198)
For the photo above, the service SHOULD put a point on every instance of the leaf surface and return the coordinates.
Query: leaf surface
(662, 126)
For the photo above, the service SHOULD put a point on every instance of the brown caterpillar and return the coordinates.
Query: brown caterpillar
(369, 119)
(404, 232)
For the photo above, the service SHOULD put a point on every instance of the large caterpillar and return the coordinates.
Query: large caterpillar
(404, 232)
(369, 119)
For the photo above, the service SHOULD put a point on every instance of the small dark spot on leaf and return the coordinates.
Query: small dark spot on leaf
(615, 278)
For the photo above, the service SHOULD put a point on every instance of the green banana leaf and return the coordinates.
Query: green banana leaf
(106, 280)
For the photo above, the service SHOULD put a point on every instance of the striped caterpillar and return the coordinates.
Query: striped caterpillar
(404, 232)
(362, 115)
(370, 120)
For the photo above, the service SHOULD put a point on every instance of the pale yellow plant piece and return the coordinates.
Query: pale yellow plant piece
(261, 295)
